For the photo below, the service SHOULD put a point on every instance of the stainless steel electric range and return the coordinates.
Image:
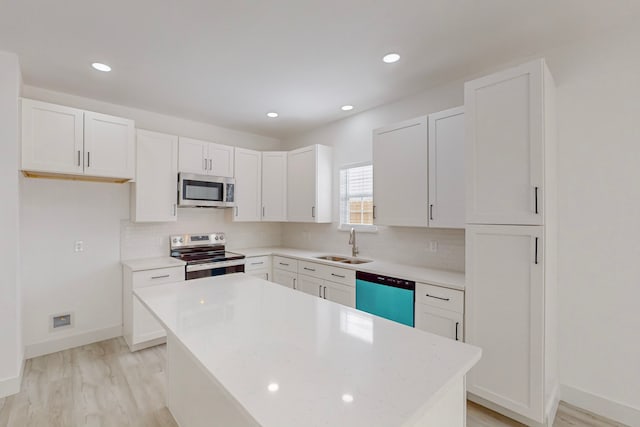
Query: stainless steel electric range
(205, 255)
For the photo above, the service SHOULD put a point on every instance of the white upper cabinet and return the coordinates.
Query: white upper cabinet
(109, 145)
(52, 138)
(309, 172)
(274, 185)
(248, 167)
(446, 169)
(205, 158)
(67, 141)
(154, 193)
(505, 315)
(400, 174)
(505, 146)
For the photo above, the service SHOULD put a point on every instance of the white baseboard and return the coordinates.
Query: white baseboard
(552, 405)
(52, 346)
(601, 406)
(9, 386)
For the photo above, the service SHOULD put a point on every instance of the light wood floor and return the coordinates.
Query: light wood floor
(103, 384)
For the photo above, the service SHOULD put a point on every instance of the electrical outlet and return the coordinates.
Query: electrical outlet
(79, 246)
(433, 245)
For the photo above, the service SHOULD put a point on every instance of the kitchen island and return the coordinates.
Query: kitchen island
(242, 351)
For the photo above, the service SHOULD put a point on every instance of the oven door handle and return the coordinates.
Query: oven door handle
(214, 265)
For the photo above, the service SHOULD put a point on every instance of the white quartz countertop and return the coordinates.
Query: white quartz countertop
(143, 264)
(449, 279)
(333, 365)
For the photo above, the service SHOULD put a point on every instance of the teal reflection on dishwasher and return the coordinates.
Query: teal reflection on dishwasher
(385, 301)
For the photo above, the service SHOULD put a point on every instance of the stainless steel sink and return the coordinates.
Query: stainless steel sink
(343, 260)
(356, 261)
(333, 258)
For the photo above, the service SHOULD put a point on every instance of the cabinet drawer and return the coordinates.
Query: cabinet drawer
(286, 264)
(436, 296)
(312, 269)
(340, 275)
(257, 263)
(142, 279)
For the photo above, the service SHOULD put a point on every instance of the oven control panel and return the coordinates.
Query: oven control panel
(191, 240)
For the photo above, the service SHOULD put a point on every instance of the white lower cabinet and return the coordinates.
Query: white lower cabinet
(285, 278)
(440, 311)
(259, 266)
(140, 328)
(310, 285)
(342, 294)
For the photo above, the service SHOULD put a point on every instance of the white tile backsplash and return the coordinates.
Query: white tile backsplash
(405, 245)
(144, 240)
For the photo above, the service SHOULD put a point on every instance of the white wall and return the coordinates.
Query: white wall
(11, 349)
(351, 142)
(57, 213)
(598, 103)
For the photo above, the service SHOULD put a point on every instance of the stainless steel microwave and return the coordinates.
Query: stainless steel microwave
(203, 191)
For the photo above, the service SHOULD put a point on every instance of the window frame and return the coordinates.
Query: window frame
(364, 228)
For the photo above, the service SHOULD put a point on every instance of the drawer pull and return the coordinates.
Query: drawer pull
(440, 298)
(309, 269)
(457, 323)
(164, 276)
(282, 263)
(257, 263)
(337, 275)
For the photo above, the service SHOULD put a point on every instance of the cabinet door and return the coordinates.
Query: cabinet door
(274, 186)
(342, 294)
(441, 322)
(145, 326)
(310, 285)
(400, 174)
(505, 315)
(52, 138)
(285, 278)
(109, 146)
(301, 185)
(446, 169)
(262, 274)
(220, 159)
(248, 166)
(154, 197)
(504, 146)
(192, 156)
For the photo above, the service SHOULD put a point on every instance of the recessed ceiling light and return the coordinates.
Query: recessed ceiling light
(346, 107)
(272, 115)
(390, 58)
(347, 398)
(101, 67)
(273, 387)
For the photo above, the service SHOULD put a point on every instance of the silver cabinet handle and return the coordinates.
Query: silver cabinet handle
(320, 291)
(536, 199)
(431, 212)
(294, 281)
(457, 323)
(78, 157)
(175, 208)
(263, 211)
(337, 275)
(204, 164)
(536, 252)
(313, 211)
(88, 159)
(325, 293)
(236, 211)
(374, 211)
(210, 164)
(440, 298)
(309, 269)
(257, 263)
(160, 277)
(282, 263)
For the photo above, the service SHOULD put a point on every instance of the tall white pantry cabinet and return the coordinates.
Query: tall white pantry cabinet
(511, 241)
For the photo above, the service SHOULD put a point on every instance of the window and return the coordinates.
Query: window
(356, 197)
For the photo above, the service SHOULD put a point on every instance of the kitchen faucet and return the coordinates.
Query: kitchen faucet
(352, 242)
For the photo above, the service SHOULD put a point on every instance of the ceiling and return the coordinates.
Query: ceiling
(230, 62)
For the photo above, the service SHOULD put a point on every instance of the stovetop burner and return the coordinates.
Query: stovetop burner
(201, 248)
